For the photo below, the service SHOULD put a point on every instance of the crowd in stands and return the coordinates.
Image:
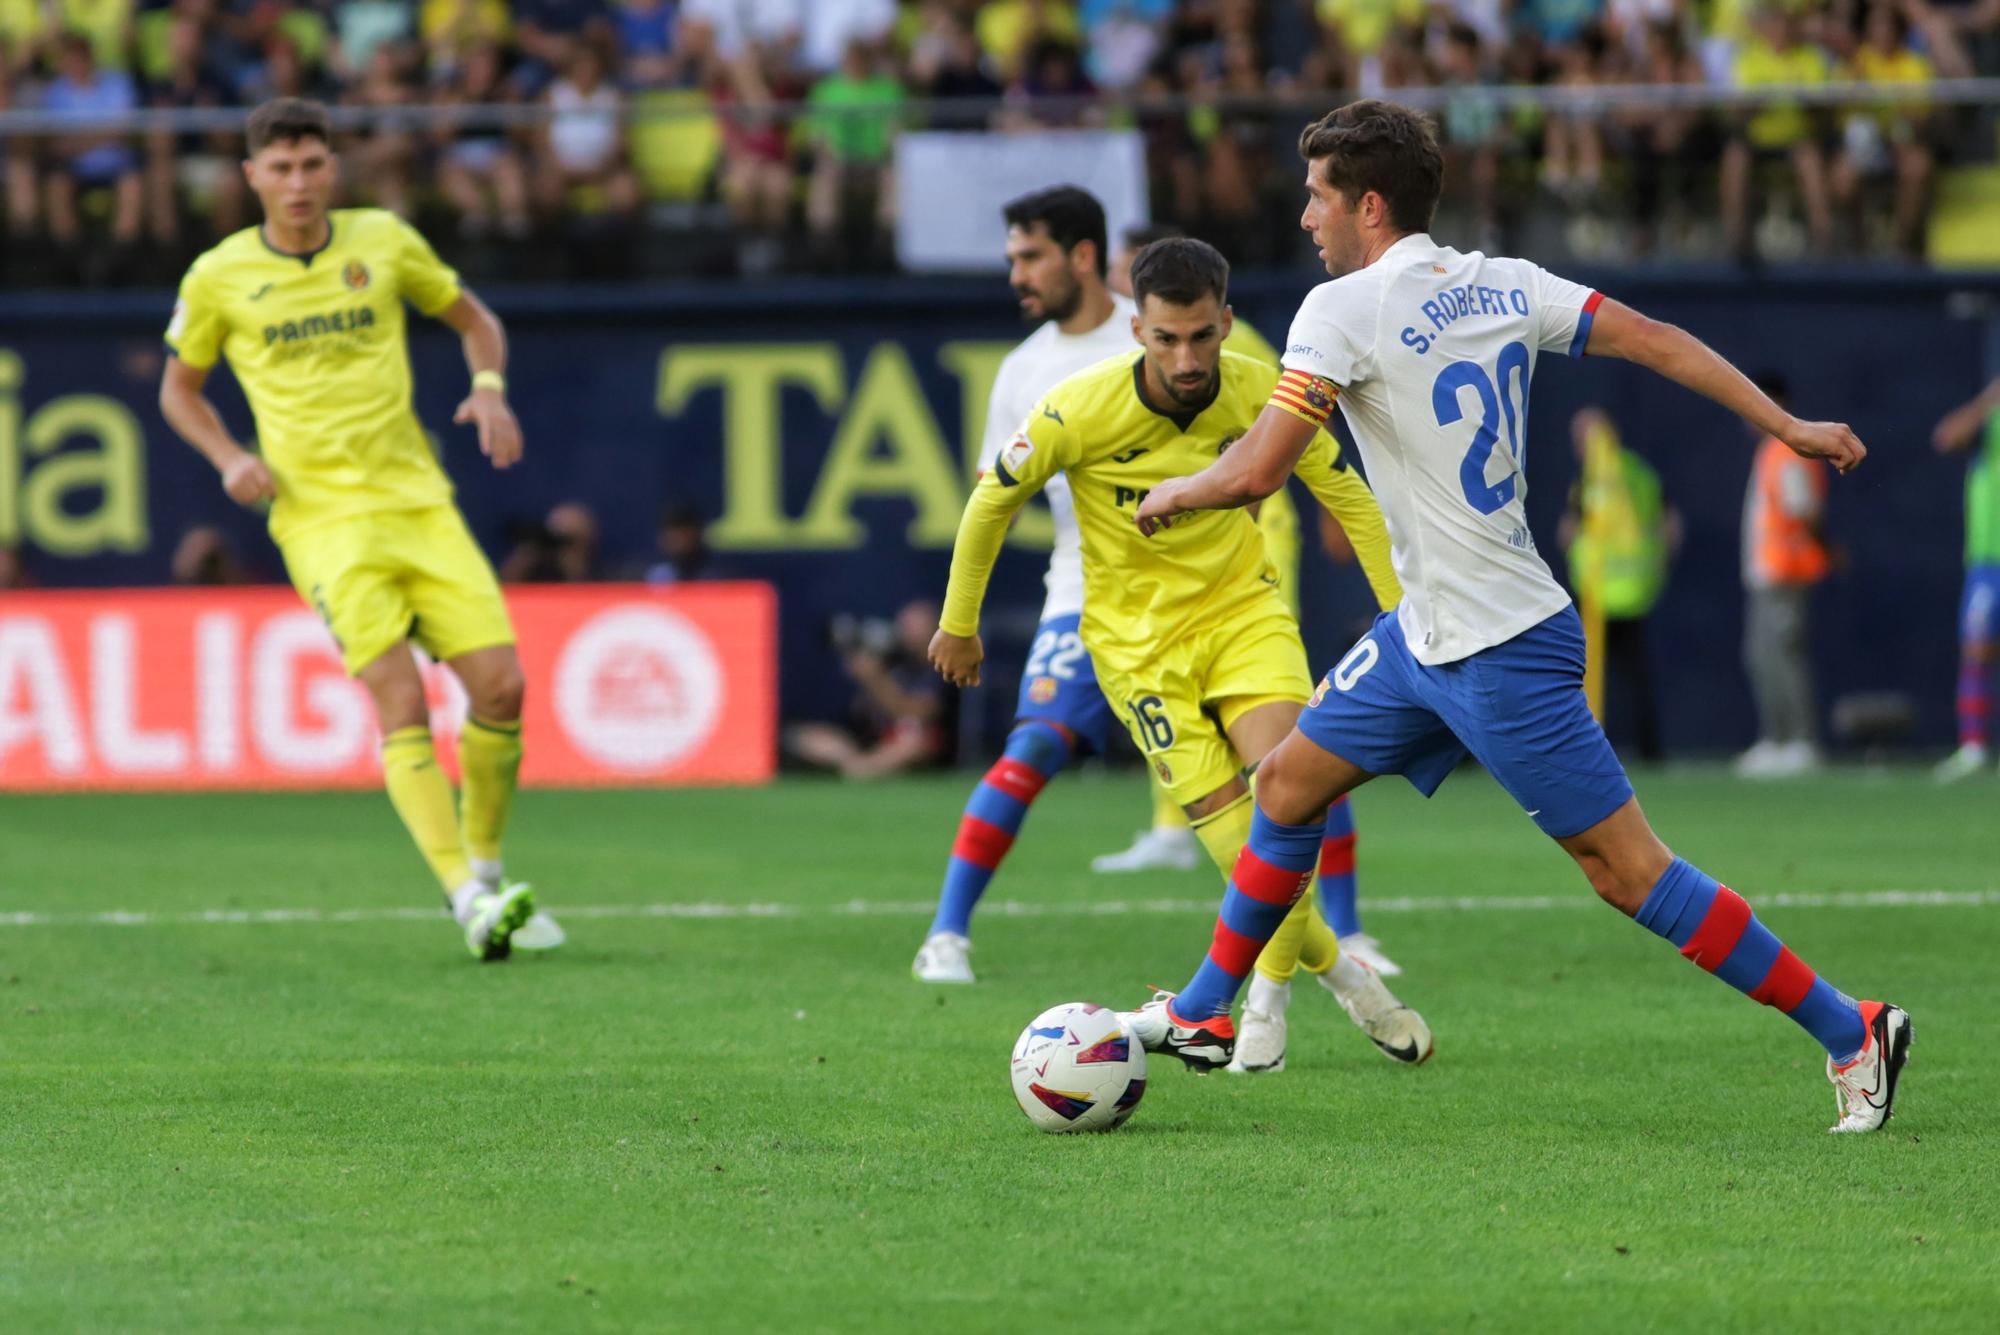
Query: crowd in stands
(771, 122)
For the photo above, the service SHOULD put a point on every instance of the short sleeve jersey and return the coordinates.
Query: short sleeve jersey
(1205, 570)
(1430, 352)
(1043, 360)
(319, 344)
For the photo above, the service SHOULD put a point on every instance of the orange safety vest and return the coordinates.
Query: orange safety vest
(1782, 545)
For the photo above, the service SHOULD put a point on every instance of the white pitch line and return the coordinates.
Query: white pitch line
(1007, 908)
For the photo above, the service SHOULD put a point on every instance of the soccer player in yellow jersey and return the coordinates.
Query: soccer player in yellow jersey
(1193, 642)
(1167, 843)
(308, 310)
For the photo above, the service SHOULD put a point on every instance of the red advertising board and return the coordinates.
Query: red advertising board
(241, 688)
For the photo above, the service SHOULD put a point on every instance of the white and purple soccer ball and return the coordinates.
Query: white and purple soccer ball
(1078, 1068)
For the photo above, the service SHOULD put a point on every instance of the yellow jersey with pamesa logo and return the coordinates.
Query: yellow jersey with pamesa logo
(1204, 570)
(318, 342)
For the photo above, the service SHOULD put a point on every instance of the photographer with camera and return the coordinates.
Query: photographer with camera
(901, 716)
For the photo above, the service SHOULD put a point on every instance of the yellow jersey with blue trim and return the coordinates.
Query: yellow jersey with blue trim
(1102, 429)
(319, 344)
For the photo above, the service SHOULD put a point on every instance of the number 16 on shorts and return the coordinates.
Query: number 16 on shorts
(1151, 727)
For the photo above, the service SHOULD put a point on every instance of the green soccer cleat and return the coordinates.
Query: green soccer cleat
(496, 916)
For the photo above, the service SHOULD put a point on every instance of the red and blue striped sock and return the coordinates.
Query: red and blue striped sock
(1036, 753)
(1338, 884)
(1975, 705)
(1271, 873)
(1715, 929)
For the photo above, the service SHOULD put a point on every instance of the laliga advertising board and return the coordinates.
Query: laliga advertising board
(242, 688)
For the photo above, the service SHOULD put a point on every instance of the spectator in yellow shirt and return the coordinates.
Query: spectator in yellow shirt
(1776, 55)
(1890, 138)
(1007, 28)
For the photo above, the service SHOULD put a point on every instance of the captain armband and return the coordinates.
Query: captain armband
(1305, 396)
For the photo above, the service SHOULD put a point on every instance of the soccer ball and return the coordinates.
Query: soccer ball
(1078, 1068)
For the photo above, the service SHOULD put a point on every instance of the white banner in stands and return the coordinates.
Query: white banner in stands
(950, 188)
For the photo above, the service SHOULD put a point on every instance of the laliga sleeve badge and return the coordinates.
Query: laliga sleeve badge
(1165, 771)
(1320, 694)
(1016, 453)
(1042, 690)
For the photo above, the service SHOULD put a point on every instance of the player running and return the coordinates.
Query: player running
(1429, 353)
(1979, 609)
(1056, 260)
(1190, 635)
(1169, 842)
(308, 310)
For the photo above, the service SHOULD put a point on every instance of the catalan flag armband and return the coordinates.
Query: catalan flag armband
(1305, 396)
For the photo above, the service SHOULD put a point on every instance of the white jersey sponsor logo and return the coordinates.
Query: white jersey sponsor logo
(1433, 351)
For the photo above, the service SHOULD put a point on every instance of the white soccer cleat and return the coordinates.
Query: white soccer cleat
(1779, 760)
(943, 958)
(1163, 848)
(1260, 1033)
(1397, 1030)
(493, 918)
(1761, 761)
(1864, 1090)
(1369, 951)
(1963, 763)
(540, 932)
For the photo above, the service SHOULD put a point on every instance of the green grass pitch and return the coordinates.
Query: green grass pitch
(759, 1122)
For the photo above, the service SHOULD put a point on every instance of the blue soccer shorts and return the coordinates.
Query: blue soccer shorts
(1518, 708)
(1059, 684)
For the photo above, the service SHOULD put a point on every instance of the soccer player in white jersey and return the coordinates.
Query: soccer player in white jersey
(1056, 258)
(1428, 353)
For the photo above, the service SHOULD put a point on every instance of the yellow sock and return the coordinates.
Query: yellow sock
(1319, 948)
(1167, 813)
(1285, 951)
(421, 795)
(1223, 833)
(489, 765)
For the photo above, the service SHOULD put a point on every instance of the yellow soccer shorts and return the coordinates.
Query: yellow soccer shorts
(399, 575)
(1178, 700)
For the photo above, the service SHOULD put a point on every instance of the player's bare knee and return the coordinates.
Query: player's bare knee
(1284, 796)
(400, 704)
(1623, 875)
(500, 695)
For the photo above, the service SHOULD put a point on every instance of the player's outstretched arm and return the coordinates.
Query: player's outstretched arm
(485, 340)
(1619, 331)
(244, 476)
(1248, 471)
(955, 650)
(1960, 427)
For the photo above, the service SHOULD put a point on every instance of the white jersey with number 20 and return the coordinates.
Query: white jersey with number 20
(1433, 351)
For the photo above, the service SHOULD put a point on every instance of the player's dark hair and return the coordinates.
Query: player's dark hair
(284, 119)
(1070, 215)
(1180, 271)
(1145, 234)
(1380, 146)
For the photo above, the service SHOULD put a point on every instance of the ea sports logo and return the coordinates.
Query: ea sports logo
(637, 688)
